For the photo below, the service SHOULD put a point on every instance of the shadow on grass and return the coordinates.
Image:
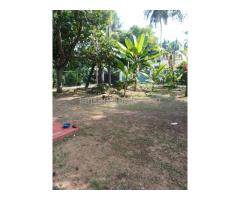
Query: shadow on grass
(138, 137)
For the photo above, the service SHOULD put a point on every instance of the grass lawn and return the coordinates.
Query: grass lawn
(122, 146)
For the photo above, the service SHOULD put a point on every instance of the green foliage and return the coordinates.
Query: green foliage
(134, 57)
(92, 38)
(80, 35)
(181, 73)
(128, 43)
(169, 78)
(172, 49)
(76, 25)
(139, 43)
(172, 78)
(151, 42)
(127, 72)
(155, 74)
(135, 54)
(70, 78)
(97, 51)
(159, 16)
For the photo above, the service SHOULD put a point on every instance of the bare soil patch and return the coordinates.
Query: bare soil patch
(122, 146)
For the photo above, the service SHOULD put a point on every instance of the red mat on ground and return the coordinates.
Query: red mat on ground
(59, 133)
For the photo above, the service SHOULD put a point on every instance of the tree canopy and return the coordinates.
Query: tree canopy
(89, 40)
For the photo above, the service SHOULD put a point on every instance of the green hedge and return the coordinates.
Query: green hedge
(70, 78)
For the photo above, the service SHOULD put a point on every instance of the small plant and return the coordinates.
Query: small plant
(181, 72)
(155, 75)
(127, 72)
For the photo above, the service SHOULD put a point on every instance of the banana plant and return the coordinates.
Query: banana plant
(127, 72)
(155, 74)
(136, 55)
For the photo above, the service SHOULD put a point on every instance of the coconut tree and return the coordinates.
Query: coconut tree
(162, 16)
(170, 51)
(114, 26)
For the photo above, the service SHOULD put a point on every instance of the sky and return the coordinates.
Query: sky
(173, 30)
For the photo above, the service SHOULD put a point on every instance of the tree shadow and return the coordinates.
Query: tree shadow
(138, 136)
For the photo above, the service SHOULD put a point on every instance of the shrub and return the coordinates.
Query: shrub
(181, 72)
(71, 78)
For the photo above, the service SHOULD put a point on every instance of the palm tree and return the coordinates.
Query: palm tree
(171, 51)
(162, 16)
(114, 26)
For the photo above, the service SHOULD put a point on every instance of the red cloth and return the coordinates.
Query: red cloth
(59, 133)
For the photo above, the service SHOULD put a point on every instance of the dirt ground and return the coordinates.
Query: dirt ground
(127, 145)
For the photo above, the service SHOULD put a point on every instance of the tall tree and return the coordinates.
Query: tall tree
(162, 16)
(170, 51)
(64, 41)
(96, 52)
(112, 27)
(71, 29)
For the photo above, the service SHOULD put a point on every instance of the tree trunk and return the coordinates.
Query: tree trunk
(59, 71)
(135, 84)
(173, 64)
(160, 32)
(125, 88)
(135, 79)
(173, 77)
(64, 53)
(170, 63)
(186, 90)
(100, 71)
(109, 76)
(89, 77)
(96, 75)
